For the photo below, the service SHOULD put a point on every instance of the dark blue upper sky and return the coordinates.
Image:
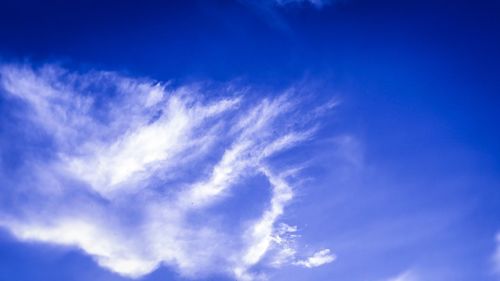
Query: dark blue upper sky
(419, 91)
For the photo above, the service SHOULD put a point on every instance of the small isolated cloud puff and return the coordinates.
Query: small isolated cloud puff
(317, 259)
(129, 170)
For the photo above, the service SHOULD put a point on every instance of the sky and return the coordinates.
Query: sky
(246, 140)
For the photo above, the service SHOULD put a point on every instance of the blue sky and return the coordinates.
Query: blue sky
(249, 140)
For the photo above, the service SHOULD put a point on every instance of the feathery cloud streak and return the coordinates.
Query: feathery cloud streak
(122, 167)
(405, 276)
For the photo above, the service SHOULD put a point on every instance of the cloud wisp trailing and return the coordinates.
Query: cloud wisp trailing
(405, 276)
(317, 259)
(124, 168)
(496, 255)
(316, 3)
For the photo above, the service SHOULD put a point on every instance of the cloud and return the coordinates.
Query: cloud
(405, 276)
(131, 171)
(317, 259)
(316, 3)
(496, 255)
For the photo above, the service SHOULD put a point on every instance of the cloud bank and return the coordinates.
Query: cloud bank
(138, 173)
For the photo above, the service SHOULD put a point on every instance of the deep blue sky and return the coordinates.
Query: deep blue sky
(419, 88)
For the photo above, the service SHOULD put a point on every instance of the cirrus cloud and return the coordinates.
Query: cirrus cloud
(122, 168)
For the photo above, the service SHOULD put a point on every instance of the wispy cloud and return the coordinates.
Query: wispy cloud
(405, 276)
(317, 259)
(496, 255)
(316, 3)
(269, 11)
(123, 166)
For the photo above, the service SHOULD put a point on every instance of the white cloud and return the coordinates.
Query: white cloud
(317, 259)
(131, 163)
